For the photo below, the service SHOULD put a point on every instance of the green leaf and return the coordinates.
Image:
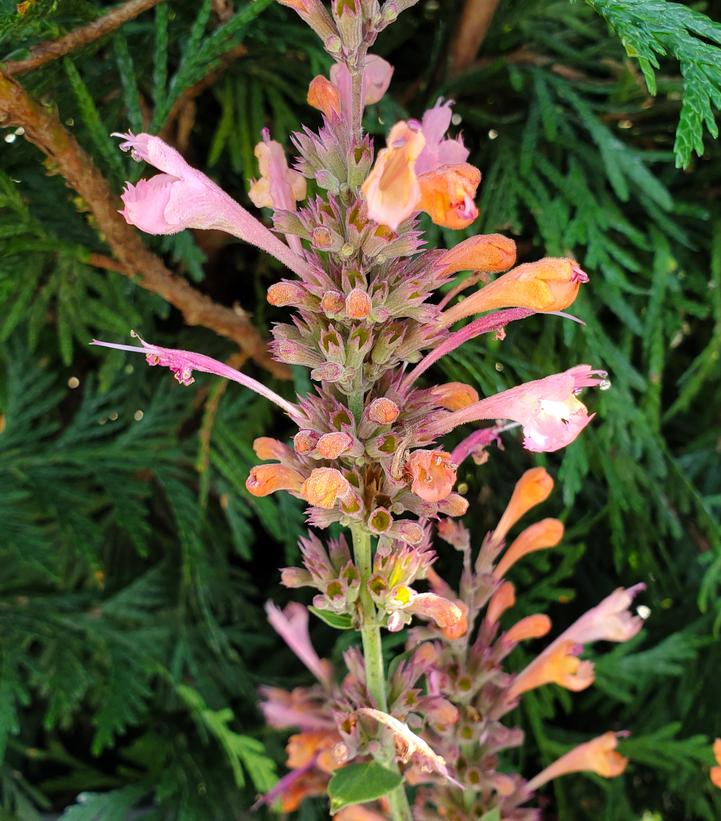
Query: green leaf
(358, 783)
(491, 815)
(341, 621)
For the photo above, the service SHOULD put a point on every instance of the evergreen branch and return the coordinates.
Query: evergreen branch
(43, 129)
(471, 30)
(51, 50)
(190, 93)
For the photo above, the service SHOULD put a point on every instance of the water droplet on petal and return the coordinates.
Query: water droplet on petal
(604, 384)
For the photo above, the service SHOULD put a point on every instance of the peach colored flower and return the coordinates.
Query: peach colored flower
(531, 489)
(324, 487)
(547, 285)
(532, 627)
(597, 756)
(538, 536)
(503, 599)
(391, 189)
(383, 411)
(447, 195)
(279, 187)
(266, 479)
(490, 253)
(558, 664)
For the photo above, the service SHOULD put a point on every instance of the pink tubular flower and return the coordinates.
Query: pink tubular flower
(183, 363)
(291, 625)
(610, 620)
(279, 187)
(433, 474)
(376, 78)
(597, 756)
(444, 612)
(551, 415)
(183, 197)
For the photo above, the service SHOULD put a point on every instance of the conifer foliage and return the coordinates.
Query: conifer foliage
(135, 562)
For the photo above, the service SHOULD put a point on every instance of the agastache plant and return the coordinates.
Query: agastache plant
(368, 453)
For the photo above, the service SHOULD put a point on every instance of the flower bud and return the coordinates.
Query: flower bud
(285, 293)
(332, 303)
(305, 441)
(358, 304)
(333, 445)
(324, 95)
(267, 448)
(490, 253)
(433, 474)
(454, 395)
(383, 411)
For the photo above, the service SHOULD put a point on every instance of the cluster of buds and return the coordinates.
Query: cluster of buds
(373, 311)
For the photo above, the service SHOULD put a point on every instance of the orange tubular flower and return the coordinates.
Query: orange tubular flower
(715, 772)
(266, 479)
(547, 285)
(324, 487)
(531, 489)
(433, 474)
(324, 95)
(539, 536)
(490, 253)
(447, 195)
(503, 599)
(532, 627)
(454, 396)
(597, 756)
(557, 664)
(392, 189)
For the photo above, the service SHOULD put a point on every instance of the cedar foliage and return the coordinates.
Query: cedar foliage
(134, 562)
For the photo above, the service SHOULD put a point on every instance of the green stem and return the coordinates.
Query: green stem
(373, 656)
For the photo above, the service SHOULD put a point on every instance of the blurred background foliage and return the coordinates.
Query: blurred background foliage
(135, 564)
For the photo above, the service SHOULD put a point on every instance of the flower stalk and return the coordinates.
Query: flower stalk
(374, 667)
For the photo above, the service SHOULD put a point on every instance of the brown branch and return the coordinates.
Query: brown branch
(50, 50)
(476, 18)
(43, 129)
